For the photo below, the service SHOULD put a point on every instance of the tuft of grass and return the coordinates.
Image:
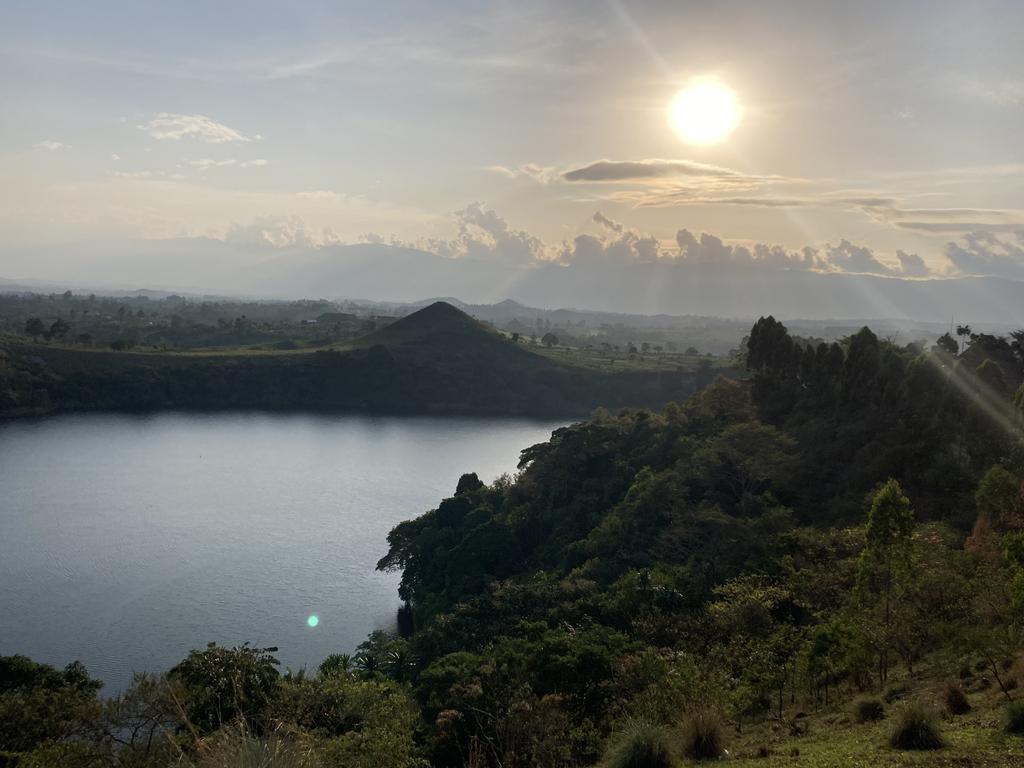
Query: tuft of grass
(954, 699)
(640, 744)
(917, 727)
(895, 692)
(702, 735)
(1015, 718)
(238, 748)
(868, 710)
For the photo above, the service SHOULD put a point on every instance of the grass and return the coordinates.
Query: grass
(702, 736)
(641, 744)
(973, 740)
(1015, 718)
(868, 710)
(917, 727)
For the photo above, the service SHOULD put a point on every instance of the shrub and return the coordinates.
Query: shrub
(640, 744)
(1015, 718)
(917, 728)
(868, 710)
(702, 735)
(955, 700)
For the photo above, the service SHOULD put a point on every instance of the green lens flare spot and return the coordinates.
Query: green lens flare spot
(313, 620)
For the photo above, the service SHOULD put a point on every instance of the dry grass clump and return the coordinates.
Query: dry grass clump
(640, 744)
(917, 727)
(868, 710)
(702, 735)
(954, 699)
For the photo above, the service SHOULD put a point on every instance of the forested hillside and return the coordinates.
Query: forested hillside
(822, 563)
(435, 361)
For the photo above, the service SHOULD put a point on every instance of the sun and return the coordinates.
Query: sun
(704, 113)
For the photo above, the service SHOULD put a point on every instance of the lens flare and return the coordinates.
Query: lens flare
(313, 620)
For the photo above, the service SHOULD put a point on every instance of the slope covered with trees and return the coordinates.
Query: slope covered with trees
(437, 360)
(816, 561)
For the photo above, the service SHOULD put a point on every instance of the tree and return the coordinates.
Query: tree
(964, 333)
(886, 557)
(35, 327)
(549, 340)
(226, 684)
(59, 329)
(947, 344)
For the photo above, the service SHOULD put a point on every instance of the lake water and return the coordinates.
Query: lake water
(125, 541)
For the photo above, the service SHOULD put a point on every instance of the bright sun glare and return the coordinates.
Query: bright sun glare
(704, 113)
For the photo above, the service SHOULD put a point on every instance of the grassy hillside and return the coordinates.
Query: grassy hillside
(437, 360)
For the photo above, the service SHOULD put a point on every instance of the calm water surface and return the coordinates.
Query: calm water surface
(127, 540)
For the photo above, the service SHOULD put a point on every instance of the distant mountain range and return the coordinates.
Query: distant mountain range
(391, 273)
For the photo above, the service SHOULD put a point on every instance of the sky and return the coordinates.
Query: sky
(873, 137)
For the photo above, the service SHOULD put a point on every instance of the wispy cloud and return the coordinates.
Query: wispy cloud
(641, 170)
(208, 162)
(167, 125)
(51, 146)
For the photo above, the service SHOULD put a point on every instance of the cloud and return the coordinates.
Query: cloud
(206, 162)
(115, 157)
(273, 232)
(539, 173)
(638, 170)
(711, 250)
(604, 221)
(50, 145)
(167, 125)
(912, 265)
(133, 174)
(483, 234)
(847, 257)
(982, 253)
(621, 246)
(257, 163)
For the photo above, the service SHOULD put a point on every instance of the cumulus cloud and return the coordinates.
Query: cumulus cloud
(711, 250)
(167, 125)
(271, 231)
(982, 253)
(51, 146)
(618, 245)
(847, 257)
(912, 265)
(483, 234)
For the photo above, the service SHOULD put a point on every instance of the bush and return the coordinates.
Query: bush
(868, 710)
(640, 744)
(1015, 718)
(917, 728)
(955, 700)
(702, 735)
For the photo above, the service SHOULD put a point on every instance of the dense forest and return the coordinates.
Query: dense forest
(822, 561)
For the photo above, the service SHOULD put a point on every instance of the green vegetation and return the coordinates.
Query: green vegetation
(868, 709)
(725, 577)
(437, 360)
(917, 727)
